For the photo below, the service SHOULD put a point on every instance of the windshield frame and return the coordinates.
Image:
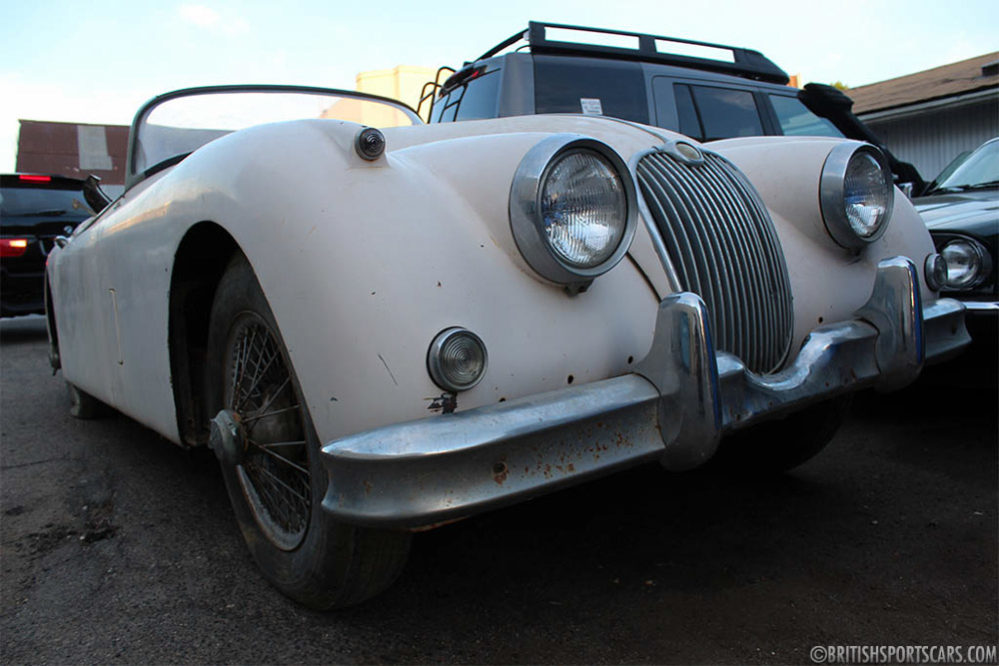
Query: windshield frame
(133, 177)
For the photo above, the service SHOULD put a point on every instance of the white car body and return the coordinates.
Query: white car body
(364, 261)
(433, 210)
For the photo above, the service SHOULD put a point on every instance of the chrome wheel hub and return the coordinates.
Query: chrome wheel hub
(228, 439)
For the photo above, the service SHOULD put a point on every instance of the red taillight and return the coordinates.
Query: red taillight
(35, 179)
(13, 247)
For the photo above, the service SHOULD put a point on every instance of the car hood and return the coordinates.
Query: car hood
(961, 211)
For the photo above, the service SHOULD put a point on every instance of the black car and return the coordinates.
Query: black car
(705, 91)
(961, 210)
(34, 210)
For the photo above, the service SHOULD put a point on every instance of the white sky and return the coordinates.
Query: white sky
(96, 61)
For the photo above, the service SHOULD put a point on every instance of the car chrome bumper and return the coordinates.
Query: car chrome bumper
(982, 308)
(675, 408)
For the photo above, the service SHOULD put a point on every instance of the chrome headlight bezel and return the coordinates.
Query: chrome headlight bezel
(832, 194)
(526, 217)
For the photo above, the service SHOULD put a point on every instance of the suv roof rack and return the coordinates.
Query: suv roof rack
(735, 61)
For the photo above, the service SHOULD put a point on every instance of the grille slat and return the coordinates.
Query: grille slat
(724, 247)
(702, 247)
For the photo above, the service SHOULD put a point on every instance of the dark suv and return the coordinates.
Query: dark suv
(34, 211)
(705, 91)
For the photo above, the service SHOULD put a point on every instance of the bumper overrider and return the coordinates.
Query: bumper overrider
(674, 408)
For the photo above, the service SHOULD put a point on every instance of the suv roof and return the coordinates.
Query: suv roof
(733, 60)
(704, 90)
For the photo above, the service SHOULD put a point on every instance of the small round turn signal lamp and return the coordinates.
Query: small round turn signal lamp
(457, 359)
(369, 143)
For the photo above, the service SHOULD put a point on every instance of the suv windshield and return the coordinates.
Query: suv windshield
(979, 171)
(174, 125)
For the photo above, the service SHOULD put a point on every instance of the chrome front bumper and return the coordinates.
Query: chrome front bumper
(681, 399)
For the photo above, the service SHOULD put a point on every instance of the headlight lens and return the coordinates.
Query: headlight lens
(584, 209)
(966, 263)
(866, 195)
(573, 209)
(856, 194)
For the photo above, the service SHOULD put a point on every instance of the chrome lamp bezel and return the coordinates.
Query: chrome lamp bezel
(434, 368)
(832, 192)
(527, 224)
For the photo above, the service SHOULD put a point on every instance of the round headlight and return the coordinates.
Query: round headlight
(966, 264)
(584, 209)
(856, 194)
(573, 209)
(457, 359)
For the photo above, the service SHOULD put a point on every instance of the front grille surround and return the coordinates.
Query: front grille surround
(723, 246)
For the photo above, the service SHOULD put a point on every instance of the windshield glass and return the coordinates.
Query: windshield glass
(26, 201)
(177, 126)
(981, 169)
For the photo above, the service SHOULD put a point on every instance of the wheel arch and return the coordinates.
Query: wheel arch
(199, 263)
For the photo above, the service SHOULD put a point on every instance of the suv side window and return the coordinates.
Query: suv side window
(690, 125)
(707, 112)
(476, 98)
(795, 119)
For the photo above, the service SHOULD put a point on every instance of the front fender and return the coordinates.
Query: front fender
(363, 264)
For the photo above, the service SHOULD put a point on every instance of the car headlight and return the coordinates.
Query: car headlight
(964, 264)
(856, 194)
(573, 209)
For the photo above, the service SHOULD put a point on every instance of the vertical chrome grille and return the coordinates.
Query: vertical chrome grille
(724, 247)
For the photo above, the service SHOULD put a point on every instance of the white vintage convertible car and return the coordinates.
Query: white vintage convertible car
(382, 330)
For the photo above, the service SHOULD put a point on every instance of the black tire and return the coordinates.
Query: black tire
(301, 550)
(84, 406)
(781, 445)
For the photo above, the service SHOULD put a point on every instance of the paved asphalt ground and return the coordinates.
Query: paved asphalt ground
(118, 547)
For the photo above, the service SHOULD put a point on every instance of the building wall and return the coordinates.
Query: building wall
(403, 83)
(72, 149)
(930, 139)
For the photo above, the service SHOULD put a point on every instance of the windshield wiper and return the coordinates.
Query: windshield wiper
(44, 213)
(988, 185)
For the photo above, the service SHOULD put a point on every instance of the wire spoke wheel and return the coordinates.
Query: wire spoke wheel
(274, 471)
(270, 455)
